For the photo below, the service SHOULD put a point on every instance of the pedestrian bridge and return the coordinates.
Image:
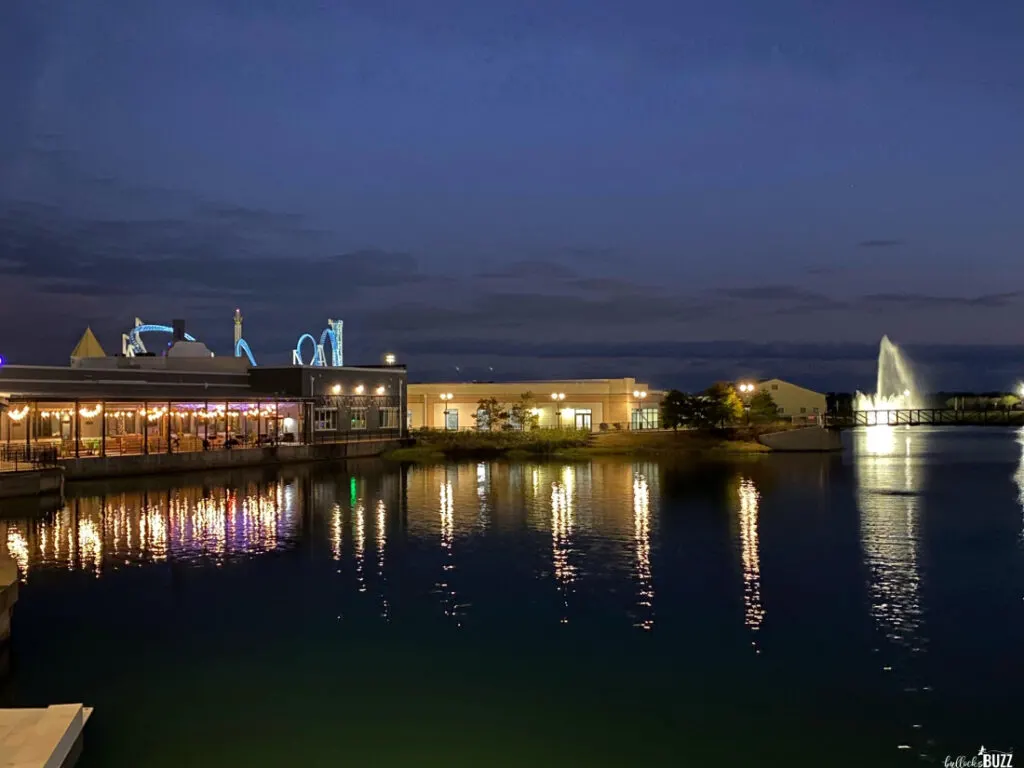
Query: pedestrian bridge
(914, 417)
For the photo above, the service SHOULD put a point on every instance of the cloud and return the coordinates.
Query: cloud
(530, 269)
(770, 293)
(880, 243)
(918, 300)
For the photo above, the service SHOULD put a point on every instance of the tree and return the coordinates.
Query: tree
(675, 409)
(523, 415)
(490, 415)
(723, 404)
(763, 407)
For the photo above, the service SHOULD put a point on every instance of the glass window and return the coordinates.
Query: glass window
(803, 410)
(483, 419)
(584, 418)
(645, 418)
(388, 418)
(325, 420)
(652, 417)
(775, 386)
(358, 418)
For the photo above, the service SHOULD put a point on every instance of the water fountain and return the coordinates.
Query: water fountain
(895, 388)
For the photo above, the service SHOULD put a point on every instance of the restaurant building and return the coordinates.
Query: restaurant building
(592, 404)
(189, 400)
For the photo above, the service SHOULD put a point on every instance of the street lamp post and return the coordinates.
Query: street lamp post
(558, 397)
(446, 398)
(746, 390)
(639, 395)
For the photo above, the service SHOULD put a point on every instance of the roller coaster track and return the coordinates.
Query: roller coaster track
(132, 340)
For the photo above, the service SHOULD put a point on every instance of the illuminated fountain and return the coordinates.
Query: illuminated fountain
(895, 388)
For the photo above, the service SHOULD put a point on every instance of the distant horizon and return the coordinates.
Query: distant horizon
(689, 365)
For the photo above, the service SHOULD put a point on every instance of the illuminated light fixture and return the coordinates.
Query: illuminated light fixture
(746, 387)
(3, 360)
(535, 411)
(639, 394)
(336, 389)
(90, 413)
(17, 415)
(389, 359)
(446, 396)
(558, 395)
(380, 390)
(360, 389)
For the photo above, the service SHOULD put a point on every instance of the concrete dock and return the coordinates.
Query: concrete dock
(42, 738)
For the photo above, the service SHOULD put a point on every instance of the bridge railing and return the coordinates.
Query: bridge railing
(924, 416)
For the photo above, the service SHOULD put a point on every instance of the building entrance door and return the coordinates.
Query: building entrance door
(451, 420)
(584, 420)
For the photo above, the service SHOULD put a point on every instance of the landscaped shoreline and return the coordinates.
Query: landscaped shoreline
(435, 446)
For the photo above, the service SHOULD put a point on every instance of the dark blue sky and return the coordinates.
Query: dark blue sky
(669, 189)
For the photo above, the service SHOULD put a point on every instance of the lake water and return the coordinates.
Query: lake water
(810, 610)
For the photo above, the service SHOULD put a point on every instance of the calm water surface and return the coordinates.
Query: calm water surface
(862, 610)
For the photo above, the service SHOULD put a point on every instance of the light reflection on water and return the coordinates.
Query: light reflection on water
(513, 555)
(750, 499)
(188, 525)
(889, 485)
(888, 489)
(642, 535)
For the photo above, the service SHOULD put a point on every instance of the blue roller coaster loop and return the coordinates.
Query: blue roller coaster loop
(328, 334)
(243, 346)
(319, 359)
(298, 348)
(133, 335)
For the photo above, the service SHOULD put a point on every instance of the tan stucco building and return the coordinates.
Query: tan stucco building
(795, 402)
(581, 403)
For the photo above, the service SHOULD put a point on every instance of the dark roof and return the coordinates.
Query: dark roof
(53, 383)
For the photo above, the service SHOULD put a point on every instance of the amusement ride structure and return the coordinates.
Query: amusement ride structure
(132, 344)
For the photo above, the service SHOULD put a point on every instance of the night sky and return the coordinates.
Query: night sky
(674, 190)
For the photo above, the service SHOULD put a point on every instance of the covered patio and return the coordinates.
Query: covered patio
(78, 429)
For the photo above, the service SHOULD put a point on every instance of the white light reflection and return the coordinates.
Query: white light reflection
(360, 543)
(382, 515)
(562, 524)
(382, 512)
(750, 502)
(90, 545)
(888, 487)
(447, 506)
(17, 545)
(483, 487)
(642, 543)
(337, 525)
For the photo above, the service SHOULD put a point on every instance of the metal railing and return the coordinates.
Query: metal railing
(19, 458)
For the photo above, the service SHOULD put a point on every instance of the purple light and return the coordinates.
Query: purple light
(3, 360)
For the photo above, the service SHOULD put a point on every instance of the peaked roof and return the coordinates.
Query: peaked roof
(88, 346)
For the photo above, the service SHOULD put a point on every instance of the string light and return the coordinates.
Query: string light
(17, 415)
(251, 410)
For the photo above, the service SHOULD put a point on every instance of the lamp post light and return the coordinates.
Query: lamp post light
(446, 398)
(558, 397)
(746, 390)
